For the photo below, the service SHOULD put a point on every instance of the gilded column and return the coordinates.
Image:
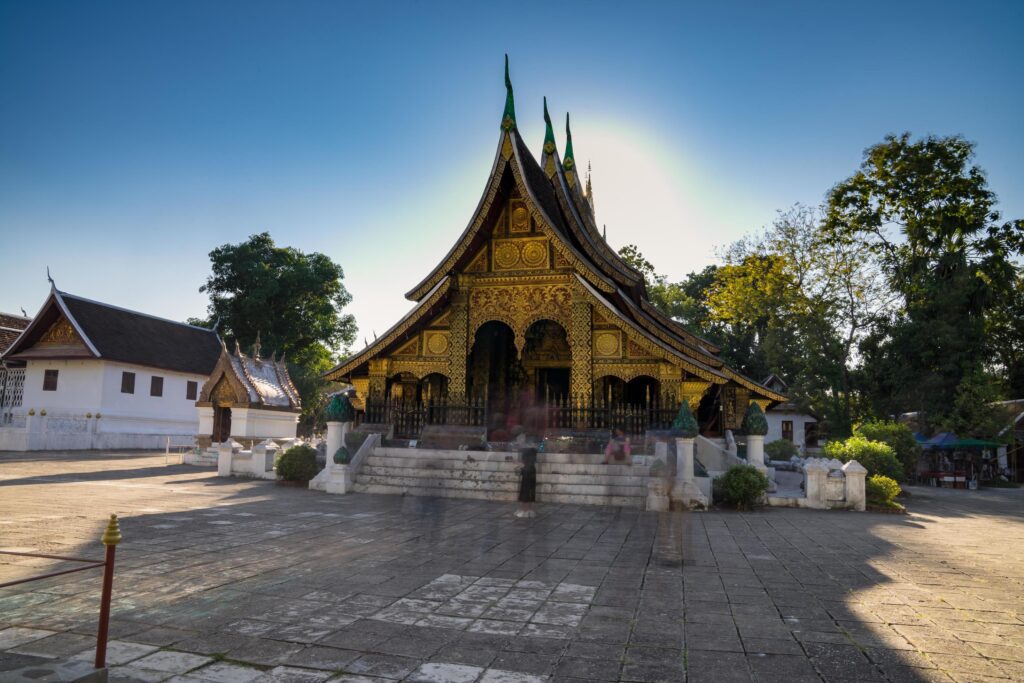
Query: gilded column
(458, 347)
(582, 375)
(378, 377)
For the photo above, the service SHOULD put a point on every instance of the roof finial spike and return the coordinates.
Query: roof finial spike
(568, 160)
(223, 345)
(508, 119)
(53, 285)
(604, 232)
(256, 347)
(238, 349)
(549, 133)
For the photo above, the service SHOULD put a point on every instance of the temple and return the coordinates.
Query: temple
(531, 307)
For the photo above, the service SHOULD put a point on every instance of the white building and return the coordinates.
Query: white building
(787, 421)
(248, 399)
(99, 376)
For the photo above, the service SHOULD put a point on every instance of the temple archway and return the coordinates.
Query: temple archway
(638, 391)
(547, 360)
(495, 373)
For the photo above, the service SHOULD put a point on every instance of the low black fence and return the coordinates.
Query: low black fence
(410, 416)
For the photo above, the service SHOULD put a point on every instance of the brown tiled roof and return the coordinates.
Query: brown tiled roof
(131, 337)
(10, 328)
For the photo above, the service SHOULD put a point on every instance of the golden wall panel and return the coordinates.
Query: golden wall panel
(607, 344)
(435, 343)
(521, 254)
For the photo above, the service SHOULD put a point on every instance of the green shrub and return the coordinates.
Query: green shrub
(881, 490)
(875, 456)
(898, 437)
(781, 449)
(743, 486)
(297, 464)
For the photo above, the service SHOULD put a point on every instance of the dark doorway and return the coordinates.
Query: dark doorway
(221, 424)
(552, 384)
(495, 373)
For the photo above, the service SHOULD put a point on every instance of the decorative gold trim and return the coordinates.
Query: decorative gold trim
(395, 333)
(608, 344)
(419, 368)
(435, 343)
(60, 333)
(625, 371)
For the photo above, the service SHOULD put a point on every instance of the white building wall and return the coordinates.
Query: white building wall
(88, 409)
(775, 419)
(79, 387)
(139, 412)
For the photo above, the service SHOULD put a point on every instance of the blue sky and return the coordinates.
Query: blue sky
(136, 137)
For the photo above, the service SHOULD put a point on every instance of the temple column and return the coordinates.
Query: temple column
(378, 378)
(581, 377)
(670, 379)
(458, 346)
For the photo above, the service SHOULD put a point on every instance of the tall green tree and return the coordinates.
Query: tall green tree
(293, 300)
(927, 216)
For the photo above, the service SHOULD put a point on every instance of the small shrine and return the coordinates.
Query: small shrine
(248, 397)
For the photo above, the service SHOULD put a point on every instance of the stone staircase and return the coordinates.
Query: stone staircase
(561, 478)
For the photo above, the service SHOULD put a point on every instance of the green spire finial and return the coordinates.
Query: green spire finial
(508, 119)
(569, 162)
(549, 133)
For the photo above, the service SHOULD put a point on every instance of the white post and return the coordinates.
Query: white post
(755, 452)
(685, 489)
(224, 453)
(856, 496)
(816, 472)
(335, 438)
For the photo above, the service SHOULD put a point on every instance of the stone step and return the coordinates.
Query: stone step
(438, 483)
(592, 489)
(378, 459)
(389, 489)
(448, 474)
(440, 463)
(555, 478)
(491, 456)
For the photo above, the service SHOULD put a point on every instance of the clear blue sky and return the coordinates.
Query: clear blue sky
(137, 136)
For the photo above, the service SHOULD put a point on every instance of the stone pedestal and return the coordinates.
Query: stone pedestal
(339, 479)
(225, 452)
(856, 497)
(657, 495)
(816, 474)
(335, 438)
(684, 488)
(755, 452)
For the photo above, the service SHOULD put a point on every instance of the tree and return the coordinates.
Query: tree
(976, 412)
(898, 437)
(291, 299)
(1004, 338)
(927, 216)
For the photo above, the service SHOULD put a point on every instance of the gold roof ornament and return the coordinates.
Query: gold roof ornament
(112, 534)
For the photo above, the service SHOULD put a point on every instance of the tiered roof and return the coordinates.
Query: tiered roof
(565, 214)
(255, 382)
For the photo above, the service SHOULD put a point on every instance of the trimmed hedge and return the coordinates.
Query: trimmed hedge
(743, 486)
(781, 449)
(875, 456)
(881, 490)
(298, 463)
(898, 437)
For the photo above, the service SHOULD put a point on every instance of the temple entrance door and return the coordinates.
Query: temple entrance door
(552, 383)
(495, 373)
(221, 424)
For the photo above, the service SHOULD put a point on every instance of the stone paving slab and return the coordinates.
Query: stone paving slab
(234, 580)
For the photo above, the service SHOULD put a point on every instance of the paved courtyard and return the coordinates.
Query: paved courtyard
(232, 580)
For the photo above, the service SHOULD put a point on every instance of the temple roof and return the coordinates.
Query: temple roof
(11, 327)
(561, 211)
(100, 330)
(266, 381)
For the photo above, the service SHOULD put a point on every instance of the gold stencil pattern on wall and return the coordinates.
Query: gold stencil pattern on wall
(410, 348)
(59, 334)
(520, 222)
(607, 344)
(435, 344)
(521, 254)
